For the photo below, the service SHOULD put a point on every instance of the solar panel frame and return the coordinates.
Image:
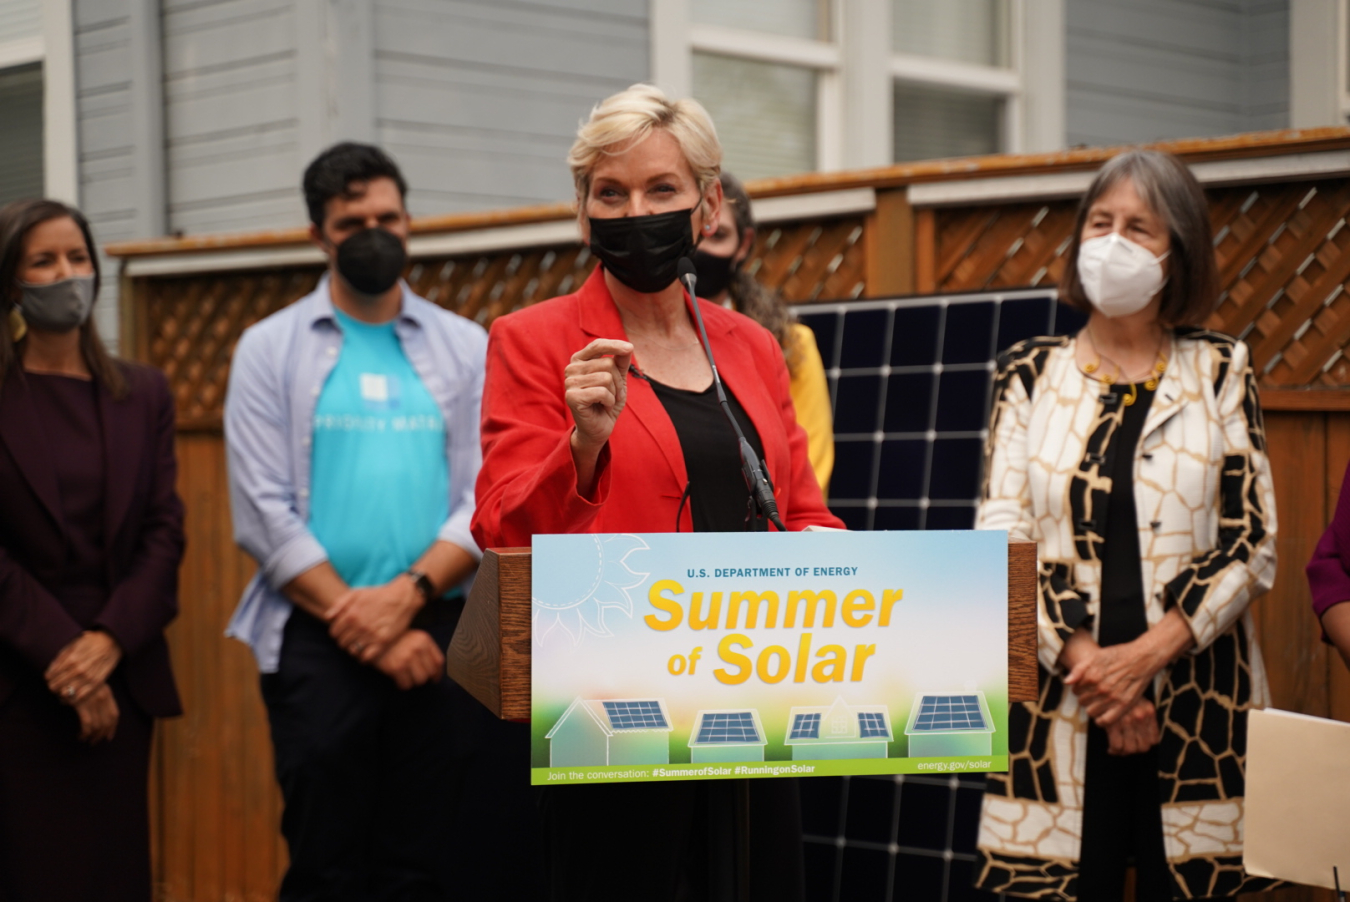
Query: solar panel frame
(727, 727)
(872, 725)
(635, 714)
(805, 726)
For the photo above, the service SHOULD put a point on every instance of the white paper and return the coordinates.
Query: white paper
(1297, 821)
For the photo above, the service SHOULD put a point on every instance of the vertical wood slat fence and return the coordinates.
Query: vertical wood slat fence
(1284, 255)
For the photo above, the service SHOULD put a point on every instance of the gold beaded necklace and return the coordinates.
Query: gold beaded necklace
(1154, 374)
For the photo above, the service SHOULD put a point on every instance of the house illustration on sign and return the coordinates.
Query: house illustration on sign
(840, 730)
(595, 732)
(729, 735)
(955, 725)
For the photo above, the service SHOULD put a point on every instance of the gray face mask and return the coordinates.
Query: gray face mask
(57, 306)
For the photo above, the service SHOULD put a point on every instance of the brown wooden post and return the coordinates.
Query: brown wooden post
(889, 245)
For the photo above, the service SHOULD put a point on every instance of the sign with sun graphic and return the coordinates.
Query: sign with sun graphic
(728, 655)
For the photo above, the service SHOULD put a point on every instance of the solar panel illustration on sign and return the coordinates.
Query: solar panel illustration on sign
(727, 736)
(840, 730)
(950, 726)
(611, 731)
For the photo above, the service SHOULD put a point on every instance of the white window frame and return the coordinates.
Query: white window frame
(54, 49)
(1343, 58)
(857, 69)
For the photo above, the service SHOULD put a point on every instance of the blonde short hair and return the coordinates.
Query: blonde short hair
(630, 116)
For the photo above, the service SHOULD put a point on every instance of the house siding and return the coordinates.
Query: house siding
(20, 19)
(1156, 69)
(230, 115)
(480, 101)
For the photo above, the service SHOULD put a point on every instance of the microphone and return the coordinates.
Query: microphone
(754, 470)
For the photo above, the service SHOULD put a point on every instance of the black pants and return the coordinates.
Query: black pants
(674, 842)
(375, 779)
(1122, 824)
(74, 821)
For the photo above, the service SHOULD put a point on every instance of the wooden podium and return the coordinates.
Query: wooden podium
(490, 652)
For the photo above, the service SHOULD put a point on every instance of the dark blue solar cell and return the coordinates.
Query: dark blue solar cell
(1068, 320)
(734, 726)
(909, 399)
(806, 726)
(872, 725)
(914, 336)
(950, 518)
(896, 518)
(962, 400)
(864, 339)
(967, 335)
(971, 700)
(856, 403)
(956, 468)
(855, 518)
(826, 326)
(637, 715)
(852, 476)
(901, 472)
(1023, 319)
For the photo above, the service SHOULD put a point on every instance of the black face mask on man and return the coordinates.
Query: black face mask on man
(643, 252)
(372, 260)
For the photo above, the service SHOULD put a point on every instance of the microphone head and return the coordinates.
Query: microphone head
(687, 270)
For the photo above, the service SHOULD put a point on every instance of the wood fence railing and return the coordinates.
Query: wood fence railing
(1279, 203)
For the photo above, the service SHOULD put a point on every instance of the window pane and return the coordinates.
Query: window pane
(21, 135)
(971, 31)
(795, 18)
(931, 123)
(765, 114)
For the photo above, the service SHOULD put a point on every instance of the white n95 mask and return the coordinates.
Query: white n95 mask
(1119, 276)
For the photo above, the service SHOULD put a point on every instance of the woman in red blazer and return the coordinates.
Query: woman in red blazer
(600, 415)
(91, 535)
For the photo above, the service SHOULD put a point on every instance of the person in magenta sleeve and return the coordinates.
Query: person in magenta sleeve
(1328, 578)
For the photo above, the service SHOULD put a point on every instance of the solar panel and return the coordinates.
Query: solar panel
(805, 726)
(909, 381)
(872, 724)
(734, 726)
(949, 712)
(643, 715)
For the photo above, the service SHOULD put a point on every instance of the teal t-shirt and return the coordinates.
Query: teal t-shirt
(380, 484)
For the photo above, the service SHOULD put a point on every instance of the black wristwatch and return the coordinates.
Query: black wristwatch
(422, 583)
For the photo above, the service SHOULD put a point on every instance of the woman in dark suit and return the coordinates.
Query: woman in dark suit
(91, 535)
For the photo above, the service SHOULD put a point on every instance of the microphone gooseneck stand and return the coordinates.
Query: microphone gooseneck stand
(762, 506)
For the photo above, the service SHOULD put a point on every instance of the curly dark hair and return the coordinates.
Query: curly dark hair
(332, 172)
(747, 295)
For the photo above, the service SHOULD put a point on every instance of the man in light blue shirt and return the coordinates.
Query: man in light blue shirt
(351, 427)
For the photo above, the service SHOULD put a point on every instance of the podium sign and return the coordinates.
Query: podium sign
(730, 655)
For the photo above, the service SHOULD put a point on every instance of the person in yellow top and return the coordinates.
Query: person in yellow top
(722, 279)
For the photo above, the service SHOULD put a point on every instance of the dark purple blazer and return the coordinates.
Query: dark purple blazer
(143, 533)
(1328, 578)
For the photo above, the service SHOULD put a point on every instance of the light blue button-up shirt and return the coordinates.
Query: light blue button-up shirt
(279, 369)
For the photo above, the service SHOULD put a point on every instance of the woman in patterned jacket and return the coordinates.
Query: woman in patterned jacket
(1134, 453)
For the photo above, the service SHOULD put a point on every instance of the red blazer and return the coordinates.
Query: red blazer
(527, 484)
(143, 535)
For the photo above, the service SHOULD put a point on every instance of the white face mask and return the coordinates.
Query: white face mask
(1119, 276)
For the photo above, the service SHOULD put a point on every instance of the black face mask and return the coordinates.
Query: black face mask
(714, 273)
(643, 252)
(372, 260)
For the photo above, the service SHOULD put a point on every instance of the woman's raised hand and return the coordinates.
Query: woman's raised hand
(596, 389)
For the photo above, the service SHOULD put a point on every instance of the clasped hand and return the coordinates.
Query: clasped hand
(371, 624)
(78, 675)
(1109, 683)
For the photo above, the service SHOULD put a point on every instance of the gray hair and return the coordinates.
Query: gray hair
(1166, 184)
